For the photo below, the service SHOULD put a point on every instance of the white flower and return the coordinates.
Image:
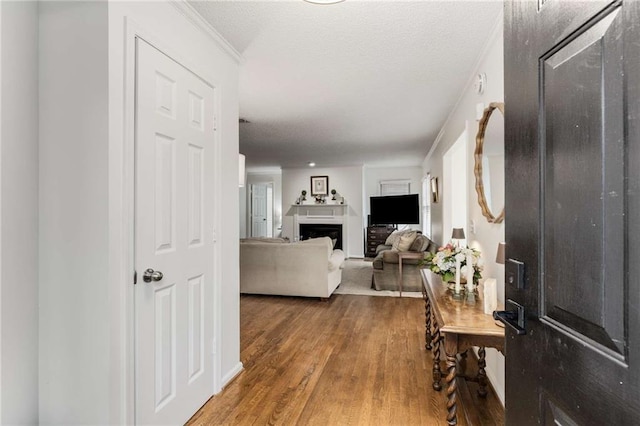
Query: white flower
(460, 257)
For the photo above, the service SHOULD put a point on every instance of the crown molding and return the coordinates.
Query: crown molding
(203, 25)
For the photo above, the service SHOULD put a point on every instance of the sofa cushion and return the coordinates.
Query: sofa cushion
(404, 242)
(336, 261)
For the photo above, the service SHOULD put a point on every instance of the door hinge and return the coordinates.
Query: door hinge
(135, 277)
(215, 122)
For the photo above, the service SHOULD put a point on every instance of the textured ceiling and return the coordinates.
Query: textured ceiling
(358, 82)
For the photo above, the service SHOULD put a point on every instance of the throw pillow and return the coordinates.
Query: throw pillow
(395, 236)
(420, 243)
(392, 238)
(405, 241)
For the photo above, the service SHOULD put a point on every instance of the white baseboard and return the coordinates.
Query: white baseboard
(232, 374)
(498, 388)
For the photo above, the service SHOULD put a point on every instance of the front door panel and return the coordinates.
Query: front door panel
(572, 91)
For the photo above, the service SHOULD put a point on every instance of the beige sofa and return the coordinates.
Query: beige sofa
(308, 268)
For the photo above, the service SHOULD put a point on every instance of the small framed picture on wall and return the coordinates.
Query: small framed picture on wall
(319, 185)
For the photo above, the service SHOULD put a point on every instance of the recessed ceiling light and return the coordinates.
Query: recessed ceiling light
(311, 164)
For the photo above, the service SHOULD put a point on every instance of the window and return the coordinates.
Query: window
(395, 187)
(426, 205)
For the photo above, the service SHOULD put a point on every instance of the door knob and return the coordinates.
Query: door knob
(151, 275)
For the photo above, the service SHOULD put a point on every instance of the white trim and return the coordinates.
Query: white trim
(232, 374)
(1, 196)
(497, 28)
(203, 25)
(499, 390)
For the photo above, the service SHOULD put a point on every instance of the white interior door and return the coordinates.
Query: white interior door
(174, 236)
(258, 210)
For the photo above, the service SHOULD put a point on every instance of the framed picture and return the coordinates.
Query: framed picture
(319, 185)
(435, 196)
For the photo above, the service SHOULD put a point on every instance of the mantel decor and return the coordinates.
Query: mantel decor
(319, 185)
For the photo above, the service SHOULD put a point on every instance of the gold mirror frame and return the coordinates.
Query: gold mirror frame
(482, 127)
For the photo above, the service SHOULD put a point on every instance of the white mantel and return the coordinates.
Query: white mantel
(331, 214)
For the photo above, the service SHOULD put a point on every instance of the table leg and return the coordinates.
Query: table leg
(436, 338)
(400, 274)
(452, 390)
(427, 323)
(482, 374)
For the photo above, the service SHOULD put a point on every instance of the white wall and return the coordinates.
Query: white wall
(86, 58)
(373, 176)
(256, 178)
(19, 213)
(486, 236)
(347, 181)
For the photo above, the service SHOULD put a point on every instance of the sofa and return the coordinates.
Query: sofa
(310, 268)
(385, 264)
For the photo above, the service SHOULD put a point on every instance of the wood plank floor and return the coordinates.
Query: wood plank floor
(351, 360)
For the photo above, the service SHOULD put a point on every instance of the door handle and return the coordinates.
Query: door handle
(514, 318)
(151, 275)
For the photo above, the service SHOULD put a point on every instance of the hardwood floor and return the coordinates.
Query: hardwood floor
(351, 360)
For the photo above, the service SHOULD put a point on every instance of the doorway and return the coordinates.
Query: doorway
(454, 183)
(262, 210)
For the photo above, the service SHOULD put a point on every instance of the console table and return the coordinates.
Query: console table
(460, 323)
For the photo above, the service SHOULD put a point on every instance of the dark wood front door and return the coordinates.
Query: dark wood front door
(572, 131)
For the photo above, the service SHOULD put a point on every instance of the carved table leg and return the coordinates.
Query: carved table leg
(437, 374)
(482, 374)
(427, 324)
(452, 387)
(451, 349)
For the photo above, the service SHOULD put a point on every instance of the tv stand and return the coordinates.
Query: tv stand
(377, 235)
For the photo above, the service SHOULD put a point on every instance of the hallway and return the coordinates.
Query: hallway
(349, 360)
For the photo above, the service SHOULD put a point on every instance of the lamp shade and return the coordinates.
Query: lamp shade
(242, 176)
(457, 234)
(500, 256)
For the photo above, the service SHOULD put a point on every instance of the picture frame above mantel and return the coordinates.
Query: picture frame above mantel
(319, 185)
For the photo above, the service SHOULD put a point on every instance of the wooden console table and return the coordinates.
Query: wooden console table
(461, 323)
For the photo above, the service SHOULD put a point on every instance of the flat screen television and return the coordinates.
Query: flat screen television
(395, 209)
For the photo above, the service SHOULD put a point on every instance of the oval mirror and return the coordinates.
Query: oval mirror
(489, 163)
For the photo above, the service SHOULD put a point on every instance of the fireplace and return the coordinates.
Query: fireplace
(317, 230)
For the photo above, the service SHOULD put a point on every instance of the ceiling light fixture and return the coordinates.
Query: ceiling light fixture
(311, 164)
(324, 1)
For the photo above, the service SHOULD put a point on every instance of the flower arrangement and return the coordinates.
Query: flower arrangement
(443, 262)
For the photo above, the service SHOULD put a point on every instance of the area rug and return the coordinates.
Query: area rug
(356, 279)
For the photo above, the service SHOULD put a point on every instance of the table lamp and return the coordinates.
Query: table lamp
(457, 235)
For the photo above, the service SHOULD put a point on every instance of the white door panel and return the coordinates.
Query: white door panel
(259, 210)
(174, 235)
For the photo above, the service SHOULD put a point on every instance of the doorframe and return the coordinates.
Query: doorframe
(122, 238)
(271, 211)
